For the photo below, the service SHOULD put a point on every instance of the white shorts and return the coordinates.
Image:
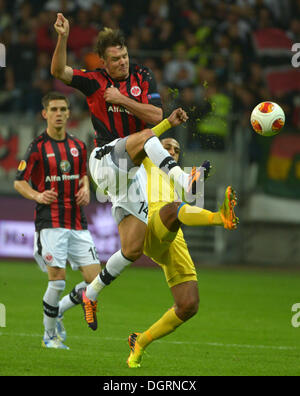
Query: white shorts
(54, 246)
(126, 189)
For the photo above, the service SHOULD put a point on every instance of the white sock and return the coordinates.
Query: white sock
(114, 266)
(50, 303)
(180, 179)
(162, 159)
(158, 154)
(71, 299)
(94, 288)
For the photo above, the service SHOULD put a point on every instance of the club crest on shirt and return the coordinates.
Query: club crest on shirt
(48, 258)
(135, 91)
(65, 166)
(74, 152)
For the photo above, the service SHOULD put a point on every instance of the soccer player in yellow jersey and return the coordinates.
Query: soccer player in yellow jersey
(165, 244)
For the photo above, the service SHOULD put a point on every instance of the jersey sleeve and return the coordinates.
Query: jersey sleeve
(150, 92)
(28, 163)
(84, 81)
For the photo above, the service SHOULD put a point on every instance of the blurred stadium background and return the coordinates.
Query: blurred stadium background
(217, 59)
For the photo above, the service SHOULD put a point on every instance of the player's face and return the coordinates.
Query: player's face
(116, 62)
(172, 146)
(57, 113)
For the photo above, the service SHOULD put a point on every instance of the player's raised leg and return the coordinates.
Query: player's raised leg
(147, 143)
(195, 216)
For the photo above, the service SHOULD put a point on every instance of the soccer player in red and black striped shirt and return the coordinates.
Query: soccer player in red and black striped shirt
(55, 162)
(122, 99)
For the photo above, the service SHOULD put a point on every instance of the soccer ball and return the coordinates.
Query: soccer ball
(267, 118)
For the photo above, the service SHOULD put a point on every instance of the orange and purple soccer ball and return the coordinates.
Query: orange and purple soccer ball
(267, 118)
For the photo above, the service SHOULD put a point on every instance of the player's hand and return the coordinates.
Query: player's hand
(47, 197)
(178, 117)
(112, 95)
(83, 196)
(62, 25)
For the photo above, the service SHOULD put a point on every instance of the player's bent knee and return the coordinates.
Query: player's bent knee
(146, 134)
(135, 145)
(168, 215)
(189, 308)
(192, 308)
(56, 273)
(143, 137)
(170, 210)
(132, 253)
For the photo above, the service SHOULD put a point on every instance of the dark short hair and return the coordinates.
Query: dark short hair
(53, 96)
(108, 38)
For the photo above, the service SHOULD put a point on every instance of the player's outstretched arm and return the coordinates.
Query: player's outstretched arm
(24, 188)
(176, 118)
(59, 68)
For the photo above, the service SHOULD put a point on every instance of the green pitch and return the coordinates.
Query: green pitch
(243, 326)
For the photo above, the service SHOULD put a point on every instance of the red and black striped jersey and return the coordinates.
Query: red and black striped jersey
(60, 164)
(112, 121)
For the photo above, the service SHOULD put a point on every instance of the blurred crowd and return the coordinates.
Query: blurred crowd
(201, 52)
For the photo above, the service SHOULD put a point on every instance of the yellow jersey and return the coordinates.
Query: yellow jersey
(160, 189)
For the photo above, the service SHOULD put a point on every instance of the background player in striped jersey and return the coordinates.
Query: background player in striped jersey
(55, 162)
(122, 99)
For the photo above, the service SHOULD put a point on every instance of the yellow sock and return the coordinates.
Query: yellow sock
(162, 127)
(165, 325)
(195, 216)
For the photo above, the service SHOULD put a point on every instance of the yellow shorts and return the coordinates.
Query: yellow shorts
(169, 250)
